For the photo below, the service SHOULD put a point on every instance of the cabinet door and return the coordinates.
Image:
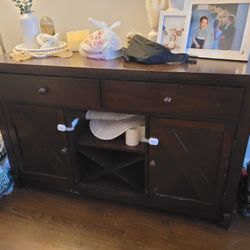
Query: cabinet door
(188, 169)
(40, 148)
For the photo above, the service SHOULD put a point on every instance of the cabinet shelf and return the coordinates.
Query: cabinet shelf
(108, 160)
(109, 185)
(118, 144)
(99, 164)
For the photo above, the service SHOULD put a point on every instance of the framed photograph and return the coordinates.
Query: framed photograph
(219, 29)
(172, 32)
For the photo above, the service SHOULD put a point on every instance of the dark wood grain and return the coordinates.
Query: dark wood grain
(191, 162)
(241, 140)
(55, 90)
(192, 101)
(88, 139)
(39, 145)
(234, 73)
(209, 113)
(79, 62)
(39, 220)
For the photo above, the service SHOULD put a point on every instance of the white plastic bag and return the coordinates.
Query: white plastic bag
(103, 44)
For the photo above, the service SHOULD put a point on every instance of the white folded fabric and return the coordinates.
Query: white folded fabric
(109, 129)
(99, 115)
(48, 41)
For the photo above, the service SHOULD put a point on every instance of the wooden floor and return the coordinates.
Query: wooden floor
(36, 220)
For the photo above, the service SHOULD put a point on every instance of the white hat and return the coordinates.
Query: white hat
(108, 130)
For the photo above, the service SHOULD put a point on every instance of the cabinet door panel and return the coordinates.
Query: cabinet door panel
(39, 144)
(191, 161)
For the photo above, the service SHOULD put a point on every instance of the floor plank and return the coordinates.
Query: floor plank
(39, 220)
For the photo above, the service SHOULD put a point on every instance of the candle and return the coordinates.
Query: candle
(74, 38)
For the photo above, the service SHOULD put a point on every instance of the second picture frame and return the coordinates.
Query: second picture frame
(173, 30)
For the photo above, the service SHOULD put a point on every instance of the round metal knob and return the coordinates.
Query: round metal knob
(152, 163)
(167, 99)
(42, 91)
(64, 151)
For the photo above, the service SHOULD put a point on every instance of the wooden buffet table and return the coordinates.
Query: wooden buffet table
(200, 114)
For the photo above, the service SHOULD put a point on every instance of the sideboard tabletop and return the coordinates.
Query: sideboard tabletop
(77, 64)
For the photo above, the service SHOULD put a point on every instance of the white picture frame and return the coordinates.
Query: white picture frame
(172, 31)
(227, 32)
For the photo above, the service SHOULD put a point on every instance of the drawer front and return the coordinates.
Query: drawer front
(50, 90)
(172, 99)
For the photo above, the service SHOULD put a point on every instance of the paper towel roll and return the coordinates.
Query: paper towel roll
(132, 136)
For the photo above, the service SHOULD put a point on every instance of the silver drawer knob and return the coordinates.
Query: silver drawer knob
(64, 151)
(167, 99)
(152, 163)
(42, 91)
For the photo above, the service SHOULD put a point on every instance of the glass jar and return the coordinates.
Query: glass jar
(47, 25)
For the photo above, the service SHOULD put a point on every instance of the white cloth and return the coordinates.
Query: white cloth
(48, 41)
(99, 115)
(108, 125)
(108, 129)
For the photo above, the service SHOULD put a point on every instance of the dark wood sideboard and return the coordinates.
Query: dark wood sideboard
(200, 114)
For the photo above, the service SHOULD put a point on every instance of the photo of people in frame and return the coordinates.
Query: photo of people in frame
(172, 33)
(217, 26)
(200, 36)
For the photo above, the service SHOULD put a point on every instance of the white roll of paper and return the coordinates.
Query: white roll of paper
(132, 136)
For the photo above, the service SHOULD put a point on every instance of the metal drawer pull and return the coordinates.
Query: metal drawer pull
(42, 91)
(63, 128)
(151, 141)
(64, 151)
(152, 163)
(167, 99)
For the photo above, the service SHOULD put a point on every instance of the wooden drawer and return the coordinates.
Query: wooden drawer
(172, 99)
(50, 90)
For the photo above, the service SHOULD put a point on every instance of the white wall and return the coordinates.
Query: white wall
(73, 14)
